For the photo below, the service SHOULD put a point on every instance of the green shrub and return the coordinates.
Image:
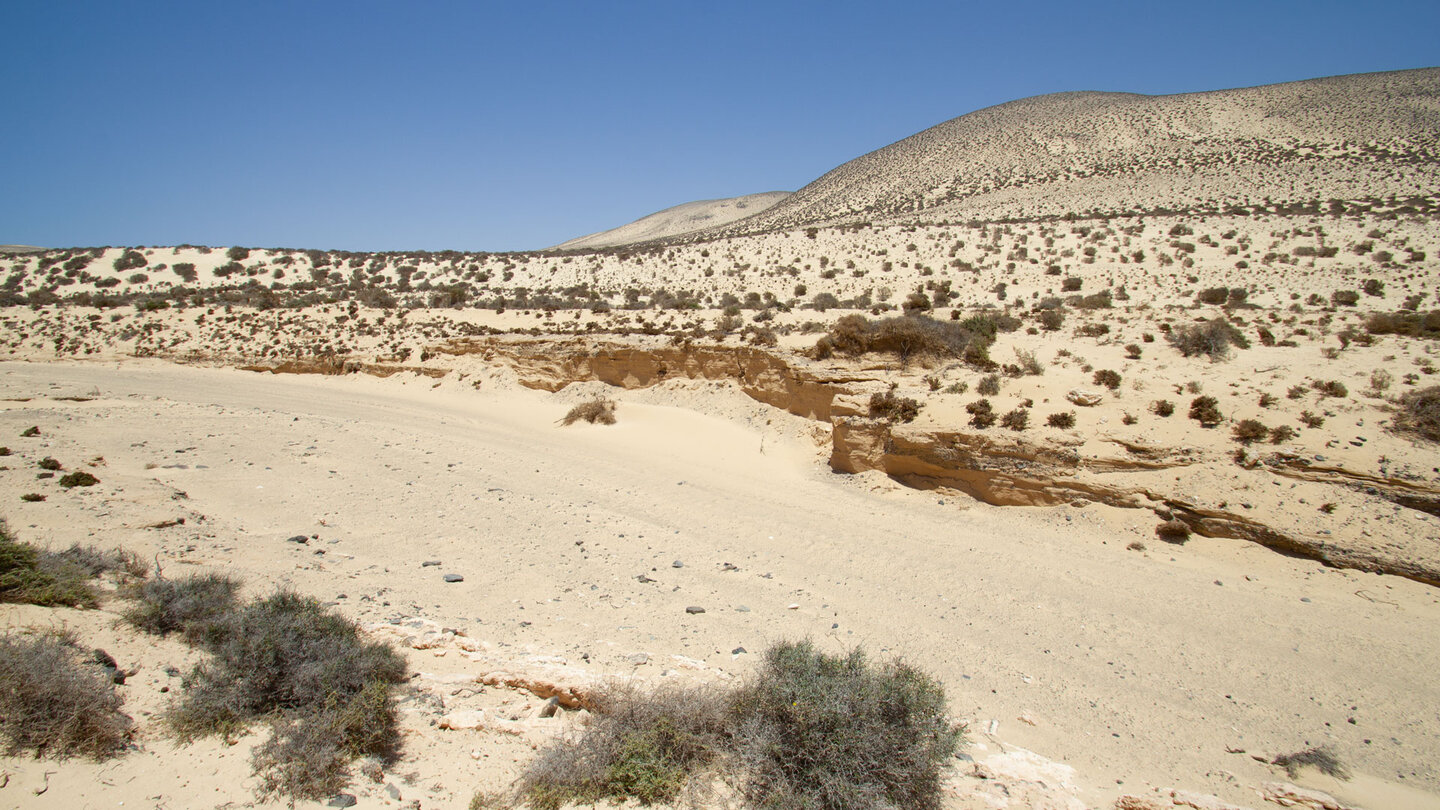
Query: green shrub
(988, 386)
(325, 689)
(1330, 388)
(34, 576)
(55, 703)
(829, 732)
(1407, 324)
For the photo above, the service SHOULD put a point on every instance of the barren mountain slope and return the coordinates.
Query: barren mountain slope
(679, 220)
(1340, 138)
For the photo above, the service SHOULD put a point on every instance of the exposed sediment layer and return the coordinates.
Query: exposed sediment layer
(999, 469)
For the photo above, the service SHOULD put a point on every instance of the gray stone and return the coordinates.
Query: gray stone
(454, 578)
(693, 609)
(677, 564)
(299, 538)
(429, 563)
(341, 800)
(638, 658)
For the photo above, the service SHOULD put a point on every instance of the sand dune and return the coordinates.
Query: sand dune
(679, 220)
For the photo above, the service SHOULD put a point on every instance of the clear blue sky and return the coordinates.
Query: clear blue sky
(493, 125)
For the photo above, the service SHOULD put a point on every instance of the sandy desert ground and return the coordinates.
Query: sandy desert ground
(1139, 670)
(410, 431)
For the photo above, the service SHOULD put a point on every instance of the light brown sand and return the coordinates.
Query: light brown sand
(1139, 670)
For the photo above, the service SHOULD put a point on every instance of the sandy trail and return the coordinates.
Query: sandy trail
(1136, 668)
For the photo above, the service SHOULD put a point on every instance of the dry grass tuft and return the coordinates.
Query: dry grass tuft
(597, 412)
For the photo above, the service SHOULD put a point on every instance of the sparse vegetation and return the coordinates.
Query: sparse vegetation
(908, 336)
(886, 405)
(1212, 338)
(55, 701)
(195, 606)
(1249, 431)
(1419, 413)
(1063, 420)
(1173, 531)
(324, 689)
(1321, 759)
(597, 411)
(809, 731)
(1206, 411)
(1018, 419)
(35, 576)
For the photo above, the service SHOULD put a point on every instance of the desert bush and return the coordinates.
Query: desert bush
(1248, 431)
(1018, 419)
(820, 732)
(1173, 531)
(641, 744)
(1281, 434)
(49, 463)
(1071, 284)
(34, 576)
(1344, 298)
(1321, 759)
(596, 411)
(982, 415)
(988, 386)
(1405, 324)
(237, 254)
(1063, 420)
(129, 260)
(1206, 411)
(56, 703)
(1052, 319)
(1330, 388)
(908, 336)
(326, 691)
(1108, 378)
(895, 409)
(79, 478)
(1311, 420)
(1419, 413)
(193, 605)
(1162, 407)
(1029, 365)
(1212, 338)
(1133, 351)
(1213, 295)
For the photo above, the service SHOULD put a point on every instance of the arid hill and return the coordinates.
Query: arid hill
(679, 220)
(1087, 153)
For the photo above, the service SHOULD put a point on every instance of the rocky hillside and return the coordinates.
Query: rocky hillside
(679, 220)
(1271, 148)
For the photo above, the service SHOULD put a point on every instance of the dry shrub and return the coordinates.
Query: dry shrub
(1248, 431)
(1162, 407)
(1063, 420)
(1018, 419)
(55, 703)
(1206, 411)
(1321, 759)
(1173, 531)
(1108, 378)
(643, 744)
(1420, 413)
(79, 478)
(982, 414)
(827, 732)
(892, 408)
(1407, 324)
(194, 605)
(597, 411)
(1212, 338)
(808, 731)
(911, 336)
(325, 689)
